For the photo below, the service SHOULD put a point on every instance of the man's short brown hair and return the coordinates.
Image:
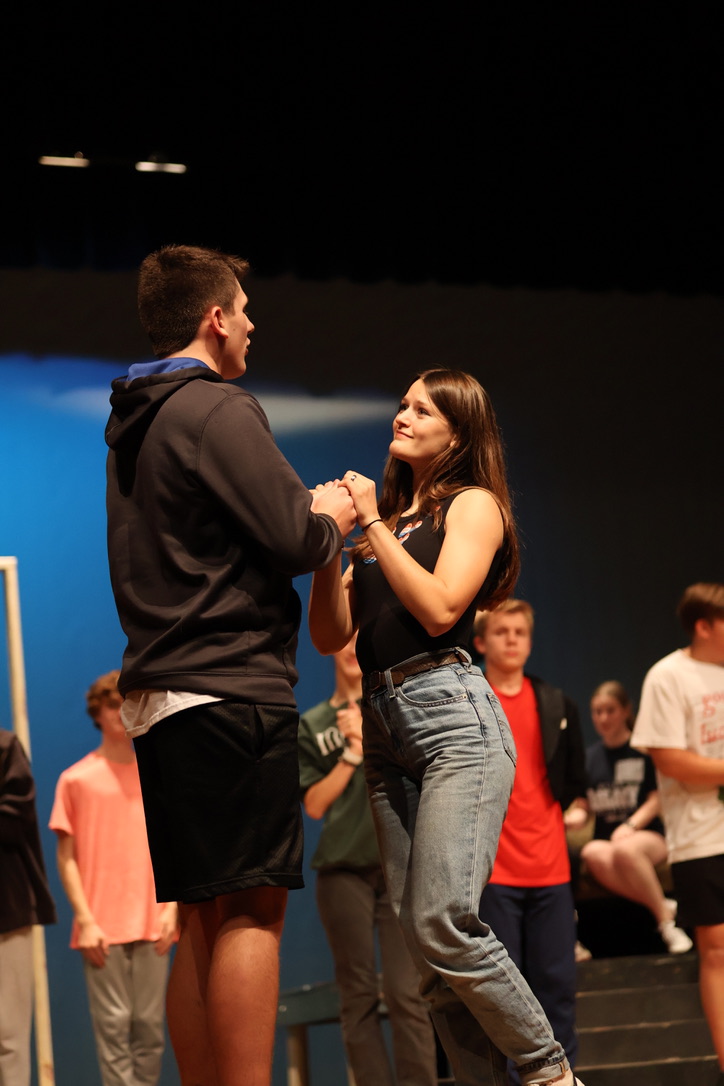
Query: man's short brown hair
(176, 286)
(103, 691)
(508, 607)
(702, 600)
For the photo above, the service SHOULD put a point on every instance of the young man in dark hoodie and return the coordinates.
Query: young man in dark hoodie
(207, 526)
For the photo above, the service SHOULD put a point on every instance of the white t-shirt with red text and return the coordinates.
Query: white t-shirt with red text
(682, 707)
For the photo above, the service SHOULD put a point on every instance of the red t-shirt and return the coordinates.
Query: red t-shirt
(532, 850)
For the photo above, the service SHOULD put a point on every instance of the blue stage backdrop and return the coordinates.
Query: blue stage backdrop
(52, 417)
(615, 468)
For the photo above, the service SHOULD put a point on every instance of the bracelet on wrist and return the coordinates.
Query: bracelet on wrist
(351, 758)
(377, 520)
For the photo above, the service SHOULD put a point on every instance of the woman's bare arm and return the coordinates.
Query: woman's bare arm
(473, 534)
(331, 622)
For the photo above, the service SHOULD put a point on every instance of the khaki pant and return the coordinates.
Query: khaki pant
(127, 998)
(16, 1006)
(354, 908)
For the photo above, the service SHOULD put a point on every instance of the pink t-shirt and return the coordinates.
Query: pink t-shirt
(99, 803)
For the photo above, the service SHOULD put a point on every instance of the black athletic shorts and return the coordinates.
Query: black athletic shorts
(220, 787)
(699, 889)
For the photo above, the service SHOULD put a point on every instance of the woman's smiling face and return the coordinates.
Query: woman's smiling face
(610, 719)
(419, 432)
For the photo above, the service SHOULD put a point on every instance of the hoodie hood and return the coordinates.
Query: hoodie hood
(136, 400)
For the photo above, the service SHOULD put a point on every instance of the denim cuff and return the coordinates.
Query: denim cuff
(548, 1075)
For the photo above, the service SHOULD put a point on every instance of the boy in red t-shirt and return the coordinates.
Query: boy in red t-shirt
(528, 901)
(123, 934)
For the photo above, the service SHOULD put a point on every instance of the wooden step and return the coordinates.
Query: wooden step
(643, 1042)
(697, 1071)
(640, 1023)
(639, 971)
(627, 1006)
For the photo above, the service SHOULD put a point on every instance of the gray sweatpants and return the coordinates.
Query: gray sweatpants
(127, 1000)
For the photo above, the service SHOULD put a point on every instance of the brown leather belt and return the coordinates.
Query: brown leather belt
(376, 679)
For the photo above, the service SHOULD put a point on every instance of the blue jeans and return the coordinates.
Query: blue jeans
(440, 762)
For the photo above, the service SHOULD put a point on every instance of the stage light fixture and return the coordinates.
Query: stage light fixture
(78, 159)
(157, 164)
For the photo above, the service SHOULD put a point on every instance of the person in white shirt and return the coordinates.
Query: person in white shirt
(681, 725)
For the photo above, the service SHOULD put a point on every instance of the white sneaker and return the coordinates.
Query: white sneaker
(676, 939)
(582, 953)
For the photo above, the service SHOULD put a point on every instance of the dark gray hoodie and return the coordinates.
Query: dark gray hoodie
(207, 526)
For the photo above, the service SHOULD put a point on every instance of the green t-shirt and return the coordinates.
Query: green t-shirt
(348, 834)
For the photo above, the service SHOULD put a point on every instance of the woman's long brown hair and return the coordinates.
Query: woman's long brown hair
(476, 459)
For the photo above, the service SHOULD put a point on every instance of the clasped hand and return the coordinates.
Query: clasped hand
(349, 722)
(360, 489)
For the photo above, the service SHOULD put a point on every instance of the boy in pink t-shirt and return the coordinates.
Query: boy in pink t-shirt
(123, 934)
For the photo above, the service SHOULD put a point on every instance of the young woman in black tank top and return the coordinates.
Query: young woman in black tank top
(439, 755)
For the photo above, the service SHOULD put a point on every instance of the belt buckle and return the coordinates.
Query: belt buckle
(374, 681)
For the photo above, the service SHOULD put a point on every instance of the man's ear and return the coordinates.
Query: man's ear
(479, 645)
(217, 321)
(702, 629)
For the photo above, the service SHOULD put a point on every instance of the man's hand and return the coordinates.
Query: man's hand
(92, 943)
(576, 817)
(336, 502)
(349, 722)
(169, 927)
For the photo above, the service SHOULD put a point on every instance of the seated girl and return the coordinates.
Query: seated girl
(628, 839)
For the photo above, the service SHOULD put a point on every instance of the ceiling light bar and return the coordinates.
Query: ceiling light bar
(78, 159)
(161, 167)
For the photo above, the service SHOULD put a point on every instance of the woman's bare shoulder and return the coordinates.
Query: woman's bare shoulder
(474, 498)
(476, 510)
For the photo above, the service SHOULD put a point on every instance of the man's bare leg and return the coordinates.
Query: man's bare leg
(710, 945)
(224, 987)
(186, 995)
(243, 987)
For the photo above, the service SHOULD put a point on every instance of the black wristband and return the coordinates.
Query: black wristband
(377, 520)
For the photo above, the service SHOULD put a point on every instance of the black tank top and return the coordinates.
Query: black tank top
(388, 633)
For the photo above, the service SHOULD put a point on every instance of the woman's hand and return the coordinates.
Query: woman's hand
(364, 496)
(622, 832)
